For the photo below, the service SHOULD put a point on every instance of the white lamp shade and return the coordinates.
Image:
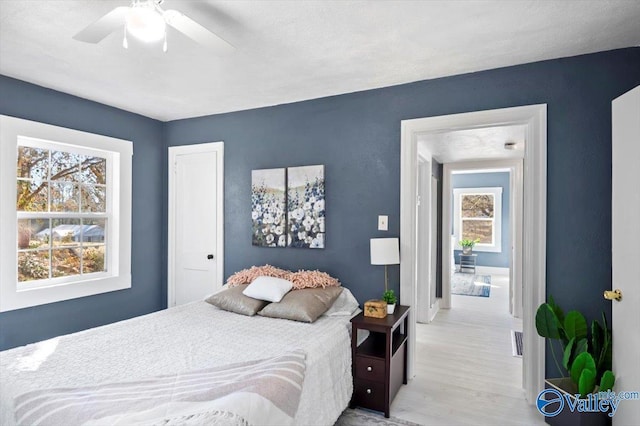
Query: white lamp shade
(385, 251)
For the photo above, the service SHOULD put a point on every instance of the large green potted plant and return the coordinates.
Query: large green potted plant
(585, 356)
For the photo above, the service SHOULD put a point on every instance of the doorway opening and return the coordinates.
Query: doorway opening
(480, 171)
(483, 210)
(414, 167)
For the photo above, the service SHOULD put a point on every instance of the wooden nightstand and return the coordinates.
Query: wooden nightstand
(379, 364)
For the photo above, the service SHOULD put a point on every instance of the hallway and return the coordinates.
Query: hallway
(465, 371)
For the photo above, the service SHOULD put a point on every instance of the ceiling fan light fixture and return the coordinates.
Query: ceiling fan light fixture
(145, 23)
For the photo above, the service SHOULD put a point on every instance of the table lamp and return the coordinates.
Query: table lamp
(385, 251)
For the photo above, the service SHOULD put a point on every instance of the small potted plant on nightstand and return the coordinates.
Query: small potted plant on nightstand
(390, 297)
(467, 245)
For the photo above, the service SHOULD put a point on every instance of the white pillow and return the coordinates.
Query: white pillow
(270, 289)
(345, 305)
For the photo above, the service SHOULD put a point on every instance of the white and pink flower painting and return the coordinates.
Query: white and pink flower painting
(288, 207)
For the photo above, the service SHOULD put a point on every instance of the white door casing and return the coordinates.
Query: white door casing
(515, 267)
(423, 228)
(534, 117)
(624, 245)
(195, 238)
(433, 276)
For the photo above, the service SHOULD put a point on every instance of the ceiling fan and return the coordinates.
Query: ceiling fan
(147, 21)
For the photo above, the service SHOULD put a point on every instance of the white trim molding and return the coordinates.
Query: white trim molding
(118, 155)
(533, 243)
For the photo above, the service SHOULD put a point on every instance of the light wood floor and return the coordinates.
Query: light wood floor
(465, 371)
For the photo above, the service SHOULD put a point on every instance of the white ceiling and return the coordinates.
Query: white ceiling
(474, 144)
(295, 50)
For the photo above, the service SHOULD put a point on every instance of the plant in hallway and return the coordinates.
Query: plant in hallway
(391, 299)
(467, 245)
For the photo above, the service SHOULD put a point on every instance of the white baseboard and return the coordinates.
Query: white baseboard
(433, 310)
(491, 270)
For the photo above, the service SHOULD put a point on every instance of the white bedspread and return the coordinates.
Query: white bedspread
(188, 337)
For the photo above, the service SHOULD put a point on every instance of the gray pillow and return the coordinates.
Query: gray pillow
(304, 305)
(233, 300)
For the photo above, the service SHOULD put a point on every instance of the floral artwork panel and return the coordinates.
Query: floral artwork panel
(268, 208)
(305, 207)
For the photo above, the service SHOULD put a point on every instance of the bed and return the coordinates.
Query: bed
(189, 338)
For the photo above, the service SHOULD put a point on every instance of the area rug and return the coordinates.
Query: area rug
(516, 343)
(471, 285)
(359, 417)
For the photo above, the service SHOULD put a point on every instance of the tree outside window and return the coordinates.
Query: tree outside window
(478, 216)
(62, 212)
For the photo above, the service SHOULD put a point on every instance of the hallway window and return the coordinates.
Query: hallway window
(478, 216)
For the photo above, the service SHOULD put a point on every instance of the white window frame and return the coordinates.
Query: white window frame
(496, 192)
(119, 154)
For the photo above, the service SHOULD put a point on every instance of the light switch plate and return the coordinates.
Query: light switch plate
(383, 223)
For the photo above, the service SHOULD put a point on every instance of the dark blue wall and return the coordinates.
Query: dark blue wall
(488, 180)
(24, 100)
(358, 143)
(357, 137)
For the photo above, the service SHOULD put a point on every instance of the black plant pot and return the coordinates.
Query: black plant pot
(566, 417)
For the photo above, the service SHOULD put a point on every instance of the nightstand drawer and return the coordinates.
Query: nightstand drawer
(370, 368)
(369, 394)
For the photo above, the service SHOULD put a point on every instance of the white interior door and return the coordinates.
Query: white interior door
(195, 222)
(625, 237)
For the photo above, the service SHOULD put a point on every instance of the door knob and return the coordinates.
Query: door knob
(613, 295)
(209, 256)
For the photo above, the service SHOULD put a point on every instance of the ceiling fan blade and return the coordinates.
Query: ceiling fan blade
(104, 26)
(196, 32)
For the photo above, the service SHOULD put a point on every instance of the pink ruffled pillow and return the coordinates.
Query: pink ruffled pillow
(312, 279)
(246, 276)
